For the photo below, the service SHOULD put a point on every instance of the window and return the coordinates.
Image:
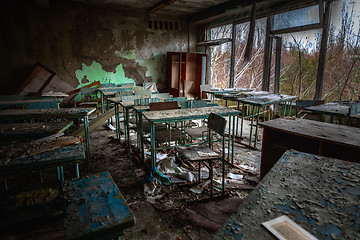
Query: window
(295, 18)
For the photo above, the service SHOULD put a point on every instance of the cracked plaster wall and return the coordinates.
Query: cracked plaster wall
(83, 44)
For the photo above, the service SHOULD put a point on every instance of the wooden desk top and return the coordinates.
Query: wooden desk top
(331, 108)
(227, 90)
(61, 112)
(95, 208)
(318, 193)
(329, 132)
(36, 128)
(268, 99)
(28, 101)
(188, 113)
(112, 89)
(55, 157)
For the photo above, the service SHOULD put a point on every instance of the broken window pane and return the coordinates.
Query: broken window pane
(296, 18)
(220, 56)
(249, 74)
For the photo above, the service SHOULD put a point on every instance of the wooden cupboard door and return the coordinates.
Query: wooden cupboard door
(174, 73)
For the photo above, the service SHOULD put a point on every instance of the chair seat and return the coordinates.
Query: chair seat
(163, 135)
(197, 132)
(197, 153)
(146, 127)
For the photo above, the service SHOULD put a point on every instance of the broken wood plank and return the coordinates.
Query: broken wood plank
(95, 123)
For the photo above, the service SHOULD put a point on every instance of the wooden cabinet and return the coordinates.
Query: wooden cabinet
(185, 73)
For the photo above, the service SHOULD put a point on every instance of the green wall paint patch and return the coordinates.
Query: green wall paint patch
(95, 72)
(157, 75)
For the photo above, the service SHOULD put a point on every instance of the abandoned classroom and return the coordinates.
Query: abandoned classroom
(180, 119)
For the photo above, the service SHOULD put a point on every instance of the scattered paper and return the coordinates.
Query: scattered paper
(111, 127)
(207, 154)
(153, 199)
(198, 189)
(285, 229)
(234, 176)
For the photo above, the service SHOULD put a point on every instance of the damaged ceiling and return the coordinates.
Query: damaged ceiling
(198, 11)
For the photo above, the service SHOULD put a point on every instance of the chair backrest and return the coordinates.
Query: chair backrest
(161, 95)
(105, 85)
(145, 101)
(133, 97)
(180, 100)
(142, 92)
(217, 123)
(302, 104)
(158, 106)
(127, 84)
(197, 104)
(124, 93)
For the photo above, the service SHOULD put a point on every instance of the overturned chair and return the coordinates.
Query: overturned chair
(205, 153)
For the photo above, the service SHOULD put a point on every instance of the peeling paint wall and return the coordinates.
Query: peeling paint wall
(83, 44)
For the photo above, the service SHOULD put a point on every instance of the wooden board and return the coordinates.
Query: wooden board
(37, 80)
(320, 194)
(95, 208)
(338, 134)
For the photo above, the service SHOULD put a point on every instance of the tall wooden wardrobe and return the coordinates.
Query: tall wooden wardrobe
(186, 71)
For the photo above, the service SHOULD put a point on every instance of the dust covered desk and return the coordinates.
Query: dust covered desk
(72, 113)
(319, 194)
(309, 136)
(95, 208)
(178, 115)
(39, 160)
(339, 109)
(259, 101)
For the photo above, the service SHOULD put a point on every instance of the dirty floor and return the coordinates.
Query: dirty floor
(171, 212)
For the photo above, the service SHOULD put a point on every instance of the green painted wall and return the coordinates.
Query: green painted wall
(95, 72)
(157, 75)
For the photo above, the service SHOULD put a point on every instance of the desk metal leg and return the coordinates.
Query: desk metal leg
(252, 121)
(233, 137)
(127, 126)
(153, 150)
(257, 125)
(102, 103)
(62, 173)
(229, 139)
(58, 173)
(77, 170)
(117, 122)
(141, 135)
(154, 171)
(87, 136)
(242, 119)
